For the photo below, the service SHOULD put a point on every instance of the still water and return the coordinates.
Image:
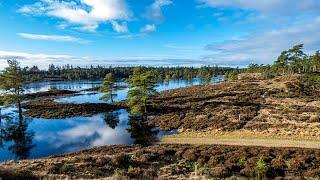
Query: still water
(90, 97)
(30, 138)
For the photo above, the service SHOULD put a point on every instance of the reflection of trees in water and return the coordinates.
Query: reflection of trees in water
(189, 82)
(15, 130)
(112, 119)
(142, 133)
(1, 132)
(53, 87)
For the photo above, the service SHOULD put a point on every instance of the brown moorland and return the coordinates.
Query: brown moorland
(283, 106)
(173, 162)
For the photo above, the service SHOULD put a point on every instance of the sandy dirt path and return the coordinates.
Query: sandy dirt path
(243, 142)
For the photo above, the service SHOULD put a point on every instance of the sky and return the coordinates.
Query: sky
(155, 32)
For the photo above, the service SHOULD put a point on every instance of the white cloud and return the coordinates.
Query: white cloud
(154, 11)
(51, 37)
(179, 47)
(268, 6)
(93, 133)
(148, 28)
(120, 28)
(129, 36)
(43, 60)
(264, 47)
(86, 13)
(280, 24)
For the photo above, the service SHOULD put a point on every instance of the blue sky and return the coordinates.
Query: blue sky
(155, 32)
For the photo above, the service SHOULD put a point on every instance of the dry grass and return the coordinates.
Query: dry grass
(242, 138)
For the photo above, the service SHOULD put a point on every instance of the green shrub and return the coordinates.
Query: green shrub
(232, 75)
(261, 168)
(242, 161)
(130, 169)
(117, 172)
(65, 168)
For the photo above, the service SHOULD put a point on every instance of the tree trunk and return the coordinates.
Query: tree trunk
(145, 107)
(111, 95)
(20, 111)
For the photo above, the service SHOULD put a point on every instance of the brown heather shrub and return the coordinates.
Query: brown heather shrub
(121, 160)
(101, 161)
(6, 174)
(219, 172)
(190, 155)
(213, 161)
(130, 162)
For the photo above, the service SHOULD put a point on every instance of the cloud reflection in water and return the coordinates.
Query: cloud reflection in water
(88, 132)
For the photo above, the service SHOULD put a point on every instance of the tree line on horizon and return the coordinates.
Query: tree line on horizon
(68, 72)
(291, 61)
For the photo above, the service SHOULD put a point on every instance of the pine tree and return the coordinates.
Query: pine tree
(142, 88)
(12, 84)
(315, 61)
(108, 87)
(296, 57)
(281, 64)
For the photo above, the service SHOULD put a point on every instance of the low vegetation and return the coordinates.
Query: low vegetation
(282, 106)
(177, 161)
(49, 109)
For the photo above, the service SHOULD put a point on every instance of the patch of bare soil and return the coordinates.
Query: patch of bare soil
(174, 162)
(242, 141)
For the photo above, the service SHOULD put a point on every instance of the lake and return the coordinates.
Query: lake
(30, 138)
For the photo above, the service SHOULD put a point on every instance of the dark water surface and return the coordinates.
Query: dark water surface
(37, 137)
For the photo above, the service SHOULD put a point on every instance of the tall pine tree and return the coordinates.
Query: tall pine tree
(142, 88)
(108, 87)
(281, 64)
(12, 84)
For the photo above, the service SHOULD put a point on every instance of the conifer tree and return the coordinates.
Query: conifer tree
(142, 88)
(296, 57)
(108, 87)
(315, 62)
(12, 84)
(281, 64)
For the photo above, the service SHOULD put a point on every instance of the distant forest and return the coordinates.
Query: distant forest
(68, 72)
(292, 61)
